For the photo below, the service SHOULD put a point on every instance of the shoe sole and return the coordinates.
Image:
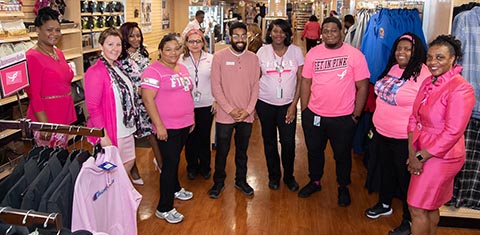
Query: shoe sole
(241, 190)
(216, 196)
(169, 221)
(378, 215)
(183, 199)
(305, 196)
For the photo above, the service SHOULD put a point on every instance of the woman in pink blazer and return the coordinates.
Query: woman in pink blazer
(436, 143)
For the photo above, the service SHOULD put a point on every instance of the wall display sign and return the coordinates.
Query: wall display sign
(146, 16)
(13, 73)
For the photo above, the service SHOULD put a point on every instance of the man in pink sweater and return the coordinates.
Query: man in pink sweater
(235, 76)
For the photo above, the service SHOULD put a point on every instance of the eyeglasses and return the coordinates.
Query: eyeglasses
(238, 36)
(198, 41)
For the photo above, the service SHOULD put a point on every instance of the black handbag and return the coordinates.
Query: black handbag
(81, 119)
(78, 93)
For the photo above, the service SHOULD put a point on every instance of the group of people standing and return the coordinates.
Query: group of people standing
(423, 107)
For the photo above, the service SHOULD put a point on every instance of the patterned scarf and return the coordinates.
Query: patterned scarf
(128, 107)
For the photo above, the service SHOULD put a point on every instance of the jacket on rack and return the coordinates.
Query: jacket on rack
(105, 199)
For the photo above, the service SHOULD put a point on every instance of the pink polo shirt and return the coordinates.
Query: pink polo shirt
(395, 102)
(334, 73)
(173, 99)
(234, 83)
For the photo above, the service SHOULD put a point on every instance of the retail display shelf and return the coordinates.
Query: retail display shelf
(11, 14)
(92, 50)
(69, 56)
(459, 212)
(77, 78)
(64, 31)
(100, 14)
(15, 39)
(11, 99)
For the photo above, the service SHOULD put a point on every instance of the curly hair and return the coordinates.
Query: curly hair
(454, 45)
(418, 58)
(126, 29)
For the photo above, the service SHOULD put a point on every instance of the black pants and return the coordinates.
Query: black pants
(272, 117)
(170, 151)
(393, 155)
(197, 148)
(339, 130)
(311, 43)
(224, 132)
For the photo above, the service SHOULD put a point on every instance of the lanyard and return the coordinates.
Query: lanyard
(278, 67)
(196, 66)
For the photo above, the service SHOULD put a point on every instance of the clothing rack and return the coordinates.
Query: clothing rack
(27, 126)
(32, 218)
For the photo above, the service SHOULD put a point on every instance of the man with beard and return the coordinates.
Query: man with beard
(333, 92)
(235, 75)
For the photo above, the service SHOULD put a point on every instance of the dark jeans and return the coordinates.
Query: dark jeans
(272, 117)
(393, 155)
(224, 136)
(310, 43)
(170, 151)
(339, 130)
(197, 148)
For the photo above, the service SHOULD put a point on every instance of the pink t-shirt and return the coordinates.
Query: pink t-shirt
(50, 78)
(105, 201)
(173, 99)
(334, 73)
(395, 102)
(278, 73)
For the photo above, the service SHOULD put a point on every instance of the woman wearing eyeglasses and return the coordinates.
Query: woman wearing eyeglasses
(199, 63)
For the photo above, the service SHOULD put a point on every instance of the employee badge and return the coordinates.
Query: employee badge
(196, 96)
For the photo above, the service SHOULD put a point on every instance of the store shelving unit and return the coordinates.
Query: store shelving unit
(302, 11)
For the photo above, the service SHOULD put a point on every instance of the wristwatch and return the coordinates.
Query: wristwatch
(419, 156)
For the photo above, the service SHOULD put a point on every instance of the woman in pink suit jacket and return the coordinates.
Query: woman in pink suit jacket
(440, 115)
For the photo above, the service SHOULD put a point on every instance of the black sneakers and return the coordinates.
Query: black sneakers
(214, 192)
(291, 184)
(378, 210)
(244, 187)
(309, 189)
(343, 196)
(402, 229)
(274, 184)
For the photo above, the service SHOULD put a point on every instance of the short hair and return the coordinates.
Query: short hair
(125, 30)
(45, 14)
(285, 26)
(417, 59)
(332, 19)
(199, 12)
(349, 18)
(313, 18)
(237, 25)
(454, 45)
(109, 32)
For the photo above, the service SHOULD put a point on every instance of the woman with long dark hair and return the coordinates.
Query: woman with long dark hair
(396, 92)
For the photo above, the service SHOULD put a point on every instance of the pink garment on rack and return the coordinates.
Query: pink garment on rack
(105, 201)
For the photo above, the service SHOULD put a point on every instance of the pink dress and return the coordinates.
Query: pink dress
(440, 115)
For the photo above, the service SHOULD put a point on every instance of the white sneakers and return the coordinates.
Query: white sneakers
(172, 216)
(183, 195)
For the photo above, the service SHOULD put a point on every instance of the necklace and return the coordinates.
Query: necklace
(49, 53)
(136, 56)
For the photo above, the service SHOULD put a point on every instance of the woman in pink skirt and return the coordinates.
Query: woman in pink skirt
(436, 143)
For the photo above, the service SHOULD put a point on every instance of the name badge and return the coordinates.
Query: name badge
(279, 93)
(196, 96)
(316, 120)
(229, 63)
